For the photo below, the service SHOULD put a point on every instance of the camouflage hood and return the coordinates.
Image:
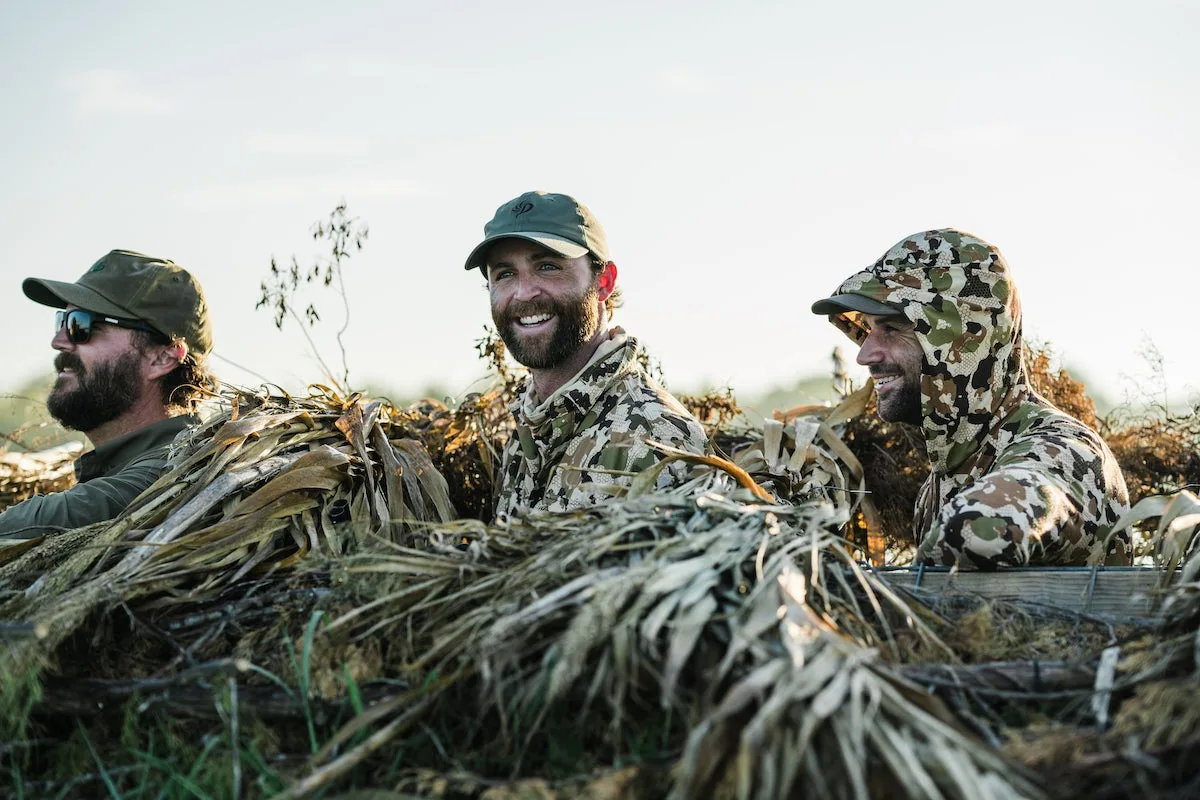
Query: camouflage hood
(957, 290)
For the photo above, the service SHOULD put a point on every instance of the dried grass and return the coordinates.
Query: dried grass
(22, 475)
(1159, 456)
(718, 640)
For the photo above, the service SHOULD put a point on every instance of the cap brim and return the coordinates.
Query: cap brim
(566, 249)
(854, 302)
(59, 294)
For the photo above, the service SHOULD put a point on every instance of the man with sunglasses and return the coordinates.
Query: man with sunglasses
(132, 335)
(1014, 481)
(584, 416)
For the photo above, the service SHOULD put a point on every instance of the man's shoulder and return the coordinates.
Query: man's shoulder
(108, 479)
(1052, 443)
(162, 436)
(639, 397)
(1039, 424)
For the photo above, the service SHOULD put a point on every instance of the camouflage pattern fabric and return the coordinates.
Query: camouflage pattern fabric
(598, 421)
(1013, 480)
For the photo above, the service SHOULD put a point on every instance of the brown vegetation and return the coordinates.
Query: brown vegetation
(314, 589)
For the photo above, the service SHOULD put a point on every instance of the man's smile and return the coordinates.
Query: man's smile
(885, 381)
(68, 364)
(534, 322)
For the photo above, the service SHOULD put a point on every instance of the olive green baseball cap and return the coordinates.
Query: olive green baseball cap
(558, 222)
(134, 286)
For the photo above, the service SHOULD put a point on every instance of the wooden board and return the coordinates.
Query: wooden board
(1118, 592)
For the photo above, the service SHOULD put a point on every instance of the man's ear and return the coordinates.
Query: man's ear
(163, 360)
(607, 280)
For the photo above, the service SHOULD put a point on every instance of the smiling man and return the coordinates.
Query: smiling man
(131, 337)
(588, 409)
(1013, 481)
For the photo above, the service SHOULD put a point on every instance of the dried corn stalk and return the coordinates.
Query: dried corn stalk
(730, 604)
(747, 621)
(22, 475)
(258, 488)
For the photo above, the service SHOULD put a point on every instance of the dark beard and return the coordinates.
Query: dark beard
(905, 407)
(102, 393)
(903, 404)
(576, 321)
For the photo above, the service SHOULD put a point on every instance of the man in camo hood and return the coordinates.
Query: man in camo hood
(1014, 481)
(584, 416)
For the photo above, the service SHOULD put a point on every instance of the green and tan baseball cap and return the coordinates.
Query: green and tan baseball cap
(558, 222)
(134, 286)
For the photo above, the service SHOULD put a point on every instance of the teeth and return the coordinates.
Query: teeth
(535, 319)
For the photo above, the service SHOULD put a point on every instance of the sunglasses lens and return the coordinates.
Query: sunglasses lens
(78, 324)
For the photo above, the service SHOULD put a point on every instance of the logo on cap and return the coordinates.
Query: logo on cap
(521, 208)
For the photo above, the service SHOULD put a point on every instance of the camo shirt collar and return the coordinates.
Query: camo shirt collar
(558, 415)
(958, 292)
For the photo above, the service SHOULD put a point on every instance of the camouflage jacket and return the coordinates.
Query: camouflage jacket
(1013, 480)
(599, 420)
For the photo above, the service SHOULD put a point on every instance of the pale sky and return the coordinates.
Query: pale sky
(744, 158)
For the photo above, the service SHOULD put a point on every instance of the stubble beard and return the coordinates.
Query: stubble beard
(101, 393)
(575, 322)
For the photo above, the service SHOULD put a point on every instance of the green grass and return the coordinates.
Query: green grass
(135, 753)
(139, 752)
(158, 758)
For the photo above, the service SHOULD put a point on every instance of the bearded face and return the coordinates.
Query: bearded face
(84, 398)
(893, 354)
(544, 333)
(898, 391)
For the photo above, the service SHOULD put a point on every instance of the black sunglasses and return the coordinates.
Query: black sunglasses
(78, 324)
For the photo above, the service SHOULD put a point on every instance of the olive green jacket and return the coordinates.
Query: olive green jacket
(107, 480)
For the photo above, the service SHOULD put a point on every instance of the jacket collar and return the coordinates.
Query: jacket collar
(113, 456)
(614, 358)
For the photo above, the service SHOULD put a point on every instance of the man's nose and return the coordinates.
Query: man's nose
(528, 287)
(60, 340)
(871, 352)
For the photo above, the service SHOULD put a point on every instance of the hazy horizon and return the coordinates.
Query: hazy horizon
(743, 160)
